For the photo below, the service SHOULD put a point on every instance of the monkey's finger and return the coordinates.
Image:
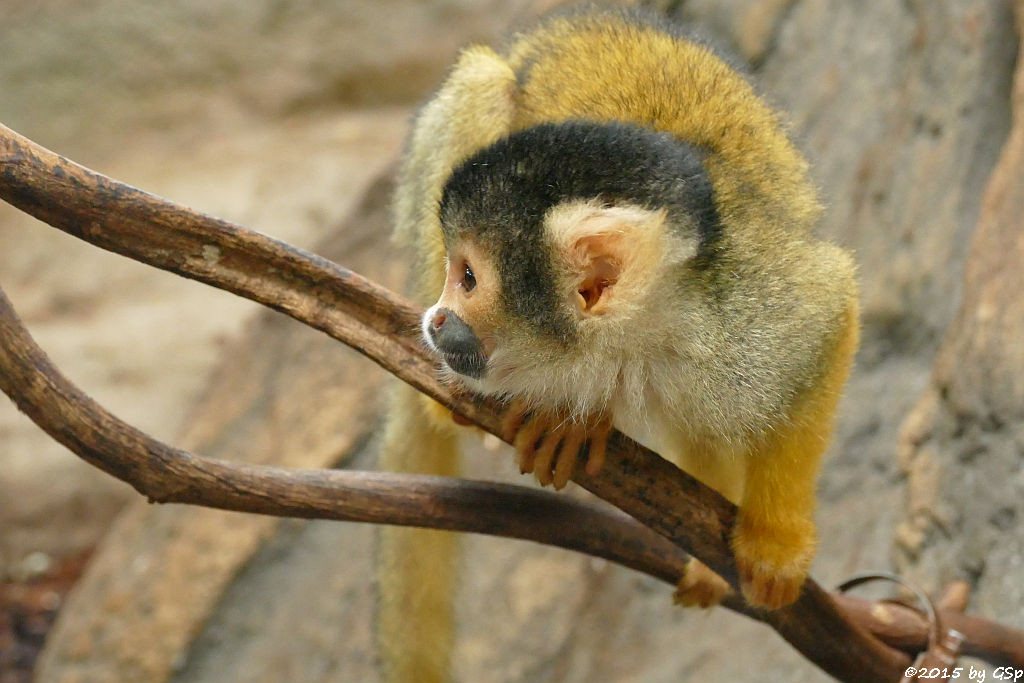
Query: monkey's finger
(461, 421)
(700, 586)
(762, 589)
(595, 458)
(598, 444)
(566, 462)
(525, 443)
(545, 455)
(513, 420)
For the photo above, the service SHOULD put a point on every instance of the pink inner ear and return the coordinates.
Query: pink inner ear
(598, 270)
(590, 293)
(610, 252)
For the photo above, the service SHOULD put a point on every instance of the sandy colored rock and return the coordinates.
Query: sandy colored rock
(97, 68)
(142, 342)
(903, 109)
(963, 444)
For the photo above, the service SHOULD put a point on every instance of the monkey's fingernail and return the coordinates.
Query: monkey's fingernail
(562, 472)
(542, 465)
(526, 458)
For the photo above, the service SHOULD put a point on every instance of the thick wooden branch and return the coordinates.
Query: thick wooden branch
(383, 327)
(166, 474)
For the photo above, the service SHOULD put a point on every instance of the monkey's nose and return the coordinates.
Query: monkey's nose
(456, 341)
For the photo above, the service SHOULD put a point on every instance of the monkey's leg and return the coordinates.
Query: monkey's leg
(774, 537)
(548, 443)
(417, 568)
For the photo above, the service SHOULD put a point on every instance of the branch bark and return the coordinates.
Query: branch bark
(383, 327)
(165, 474)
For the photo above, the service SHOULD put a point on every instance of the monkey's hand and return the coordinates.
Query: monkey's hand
(700, 586)
(548, 443)
(772, 561)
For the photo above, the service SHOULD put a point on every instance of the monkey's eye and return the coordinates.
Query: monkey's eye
(468, 279)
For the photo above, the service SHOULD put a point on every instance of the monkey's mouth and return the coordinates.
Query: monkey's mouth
(472, 365)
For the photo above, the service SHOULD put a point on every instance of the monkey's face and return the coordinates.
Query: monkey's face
(536, 320)
(461, 325)
(558, 242)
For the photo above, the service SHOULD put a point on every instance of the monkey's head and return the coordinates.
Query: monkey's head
(563, 243)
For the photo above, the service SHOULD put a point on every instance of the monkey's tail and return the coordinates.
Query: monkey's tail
(416, 568)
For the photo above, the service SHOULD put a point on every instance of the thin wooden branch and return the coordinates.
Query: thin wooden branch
(383, 327)
(905, 628)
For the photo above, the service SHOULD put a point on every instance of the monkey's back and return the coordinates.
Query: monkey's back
(783, 299)
(782, 295)
(627, 66)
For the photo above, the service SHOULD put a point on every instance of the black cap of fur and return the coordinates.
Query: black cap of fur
(500, 195)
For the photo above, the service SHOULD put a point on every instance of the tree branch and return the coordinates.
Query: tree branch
(383, 327)
(165, 474)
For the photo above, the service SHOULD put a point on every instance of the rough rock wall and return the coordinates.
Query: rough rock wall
(962, 447)
(74, 70)
(903, 108)
(271, 114)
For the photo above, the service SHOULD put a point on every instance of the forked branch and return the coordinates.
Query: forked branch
(382, 326)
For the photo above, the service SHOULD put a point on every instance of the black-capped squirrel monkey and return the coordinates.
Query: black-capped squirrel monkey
(611, 228)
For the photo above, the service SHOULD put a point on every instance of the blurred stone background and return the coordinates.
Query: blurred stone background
(286, 117)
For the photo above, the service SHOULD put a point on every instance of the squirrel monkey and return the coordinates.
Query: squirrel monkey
(612, 229)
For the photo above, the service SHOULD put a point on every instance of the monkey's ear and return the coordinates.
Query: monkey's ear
(612, 253)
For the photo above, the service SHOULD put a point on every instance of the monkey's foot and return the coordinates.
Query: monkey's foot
(700, 586)
(548, 443)
(772, 563)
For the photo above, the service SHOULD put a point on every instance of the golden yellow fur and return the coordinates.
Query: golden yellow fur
(415, 566)
(750, 414)
(598, 68)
